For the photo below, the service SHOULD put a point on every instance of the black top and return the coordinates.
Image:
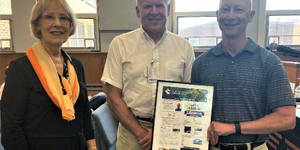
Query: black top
(30, 118)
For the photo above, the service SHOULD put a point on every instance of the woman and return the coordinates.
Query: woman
(44, 103)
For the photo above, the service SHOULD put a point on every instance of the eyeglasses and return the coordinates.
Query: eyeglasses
(63, 19)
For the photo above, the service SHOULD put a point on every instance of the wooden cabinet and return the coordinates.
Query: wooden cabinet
(286, 140)
(293, 71)
(93, 63)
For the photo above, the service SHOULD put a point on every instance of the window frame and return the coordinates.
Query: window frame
(177, 15)
(8, 17)
(91, 2)
(278, 13)
(80, 29)
(263, 20)
(96, 34)
(90, 29)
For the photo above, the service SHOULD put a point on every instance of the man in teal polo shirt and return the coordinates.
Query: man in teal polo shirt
(252, 97)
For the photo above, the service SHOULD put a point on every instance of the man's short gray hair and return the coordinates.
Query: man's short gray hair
(249, 1)
(138, 2)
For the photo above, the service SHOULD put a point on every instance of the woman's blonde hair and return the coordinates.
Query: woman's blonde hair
(39, 8)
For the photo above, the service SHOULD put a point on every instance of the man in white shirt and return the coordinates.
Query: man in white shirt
(135, 61)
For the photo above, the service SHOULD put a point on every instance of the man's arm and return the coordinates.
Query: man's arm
(281, 119)
(125, 116)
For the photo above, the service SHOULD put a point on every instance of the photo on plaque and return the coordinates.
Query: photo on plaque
(182, 116)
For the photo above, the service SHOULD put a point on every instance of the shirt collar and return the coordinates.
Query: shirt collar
(250, 47)
(147, 37)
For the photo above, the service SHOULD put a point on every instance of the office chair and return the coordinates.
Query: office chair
(106, 127)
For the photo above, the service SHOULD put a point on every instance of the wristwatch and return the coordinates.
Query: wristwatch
(237, 128)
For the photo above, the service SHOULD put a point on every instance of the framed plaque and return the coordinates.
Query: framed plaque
(182, 115)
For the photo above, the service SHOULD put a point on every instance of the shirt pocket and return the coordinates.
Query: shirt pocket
(39, 97)
(174, 71)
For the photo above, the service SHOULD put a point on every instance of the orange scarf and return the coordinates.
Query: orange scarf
(48, 76)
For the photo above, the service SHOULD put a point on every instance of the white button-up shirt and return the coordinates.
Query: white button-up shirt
(129, 55)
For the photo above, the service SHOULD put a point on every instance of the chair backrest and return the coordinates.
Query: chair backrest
(106, 126)
(97, 101)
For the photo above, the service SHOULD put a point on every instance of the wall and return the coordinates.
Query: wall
(253, 26)
(106, 36)
(123, 19)
(115, 17)
(21, 10)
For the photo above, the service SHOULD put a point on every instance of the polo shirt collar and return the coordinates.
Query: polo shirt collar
(250, 47)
